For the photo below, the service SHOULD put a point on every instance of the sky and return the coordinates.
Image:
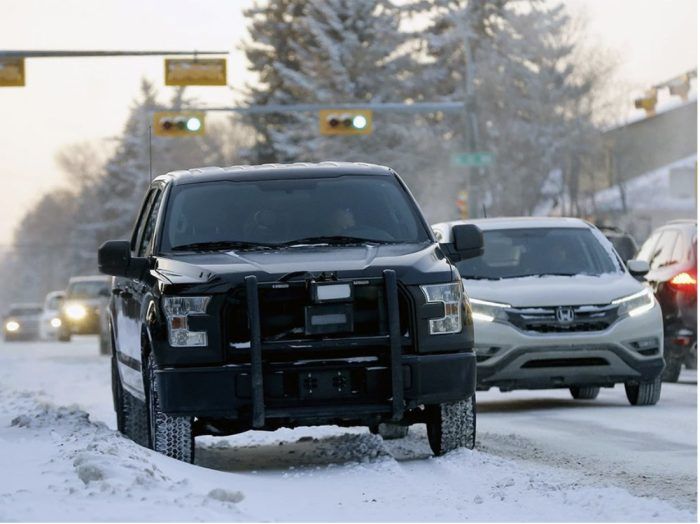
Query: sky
(74, 100)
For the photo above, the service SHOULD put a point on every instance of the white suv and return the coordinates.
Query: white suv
(555, 307)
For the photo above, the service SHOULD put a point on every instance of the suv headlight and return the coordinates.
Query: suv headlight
(486, 311)
(451, 296)
(177, 310)
(636, 304)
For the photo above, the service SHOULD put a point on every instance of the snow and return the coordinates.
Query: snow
(67, 463)
(657, 183)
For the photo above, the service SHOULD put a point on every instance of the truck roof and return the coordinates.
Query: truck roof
(274, 171)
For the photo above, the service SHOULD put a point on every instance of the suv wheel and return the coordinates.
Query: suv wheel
(643, 393)
(672, 370)
(389, 431)
(170, 435)
(451, 425)
(584, 393)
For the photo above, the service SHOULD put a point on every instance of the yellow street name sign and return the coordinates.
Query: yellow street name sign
(11, 72)
(195, 72)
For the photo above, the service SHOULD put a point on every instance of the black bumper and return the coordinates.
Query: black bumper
(309, 392)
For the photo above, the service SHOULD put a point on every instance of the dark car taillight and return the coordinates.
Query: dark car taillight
(684, 282)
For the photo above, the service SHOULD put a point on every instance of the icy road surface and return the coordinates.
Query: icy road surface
(541, 457)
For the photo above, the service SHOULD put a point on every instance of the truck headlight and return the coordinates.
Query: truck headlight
(76, 311)
(636, 304)
(486, 311)
(56, 322)
(451, 296)
(177, 310)
(12, 326)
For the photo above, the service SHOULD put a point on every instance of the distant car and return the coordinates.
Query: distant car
(671, 252)
(555, 307)
(22, 322)
(82, 311)
(624, 243)
(50, 316)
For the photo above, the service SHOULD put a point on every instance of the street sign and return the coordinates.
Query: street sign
(345, 121)
(195, 72)
(481, 159)
(11, 72)
(174, 124)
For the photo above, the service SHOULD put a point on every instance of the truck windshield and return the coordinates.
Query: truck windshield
(268, 213)
(513, 253)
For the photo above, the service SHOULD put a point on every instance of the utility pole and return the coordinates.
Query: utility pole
(471, 125)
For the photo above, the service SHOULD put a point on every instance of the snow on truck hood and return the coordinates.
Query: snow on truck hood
(554, 290)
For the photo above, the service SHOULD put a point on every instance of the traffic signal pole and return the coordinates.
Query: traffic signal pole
(87, 53)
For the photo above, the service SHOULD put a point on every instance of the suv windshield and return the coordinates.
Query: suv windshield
(339, 210)
(87, 289)
(513, 253)
(25, 311)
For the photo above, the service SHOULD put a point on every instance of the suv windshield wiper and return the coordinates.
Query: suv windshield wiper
(336, 240)
(220, 245)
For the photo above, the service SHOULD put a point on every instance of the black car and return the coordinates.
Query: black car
(260, 297)
(671, 251)
(22, 322)
(623, 242)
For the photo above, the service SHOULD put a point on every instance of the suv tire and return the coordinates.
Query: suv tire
(170, 435)
(584, 392)
(643, 393)
(389, 431)
(672, 370)
(451, 425)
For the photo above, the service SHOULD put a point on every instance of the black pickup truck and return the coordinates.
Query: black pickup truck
(260, 297)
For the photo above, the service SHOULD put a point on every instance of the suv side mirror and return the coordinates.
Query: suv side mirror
(638, 268)
(467, 242)
(114, 258)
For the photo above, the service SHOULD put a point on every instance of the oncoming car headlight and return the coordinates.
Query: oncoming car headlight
(177, 310)
(76, 311)
(486, 311)
(451, 296)
(56, 322)
(12, 326)
(636, 304)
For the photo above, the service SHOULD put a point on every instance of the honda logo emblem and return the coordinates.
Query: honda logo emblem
(565, 315)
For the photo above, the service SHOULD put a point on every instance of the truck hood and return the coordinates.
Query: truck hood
(550, 291)
(413, 263)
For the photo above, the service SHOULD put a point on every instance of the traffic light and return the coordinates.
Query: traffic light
(647, 102)
(178, 124)
(345, 121)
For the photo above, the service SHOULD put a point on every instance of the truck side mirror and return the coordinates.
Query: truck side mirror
(114, 258)
(638, 268)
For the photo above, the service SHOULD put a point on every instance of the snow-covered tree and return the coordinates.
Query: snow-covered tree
(528, 90)
(344, 51)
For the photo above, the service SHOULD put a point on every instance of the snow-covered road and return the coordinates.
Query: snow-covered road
(541, 456)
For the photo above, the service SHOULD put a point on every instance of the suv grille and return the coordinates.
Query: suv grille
(547, 319)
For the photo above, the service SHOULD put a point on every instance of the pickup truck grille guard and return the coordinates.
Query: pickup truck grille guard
(259, 411)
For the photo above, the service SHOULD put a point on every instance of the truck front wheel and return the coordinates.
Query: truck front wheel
(170, 435)
(451, 425)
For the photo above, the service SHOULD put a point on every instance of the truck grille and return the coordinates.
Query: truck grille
(282, 312)
(547, 319)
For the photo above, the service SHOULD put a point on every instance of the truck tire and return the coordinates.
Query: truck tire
(672, 370)
(643, 393)
(135, 419)
(451, 425)
(105, 345)
(389, 431)
(118, 397)
(64, 336)
(170, 435)
(584, 392)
